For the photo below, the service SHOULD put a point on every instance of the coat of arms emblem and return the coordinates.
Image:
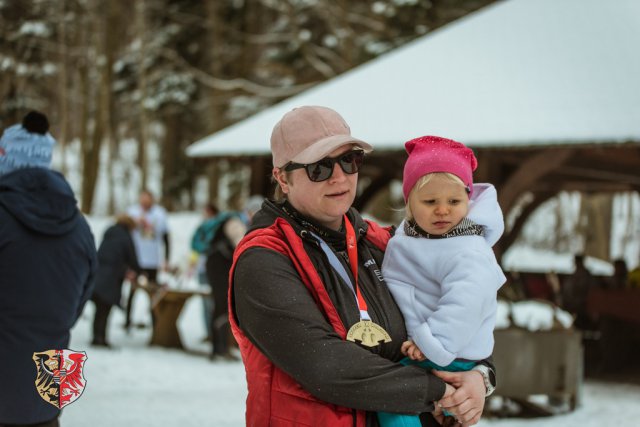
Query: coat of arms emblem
(59, 379)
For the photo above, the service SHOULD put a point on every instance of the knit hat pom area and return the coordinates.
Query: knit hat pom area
(430, 154)
(27, 144)
(36, 122)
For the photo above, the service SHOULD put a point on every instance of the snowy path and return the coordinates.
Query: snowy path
(135, 385)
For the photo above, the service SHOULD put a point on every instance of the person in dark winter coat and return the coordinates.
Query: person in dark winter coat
(117, 260)
(198, 259)
(217, 267)
(232, 227)
(575, 291)
(319, 332)
(47, 263)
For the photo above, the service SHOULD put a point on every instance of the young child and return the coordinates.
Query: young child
(439, 266)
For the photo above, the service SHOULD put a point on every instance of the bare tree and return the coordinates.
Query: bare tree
(96, 110)
(187, 67)
(143, 121)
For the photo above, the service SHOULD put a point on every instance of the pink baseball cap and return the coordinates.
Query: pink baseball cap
(308, 134)
(429, 154)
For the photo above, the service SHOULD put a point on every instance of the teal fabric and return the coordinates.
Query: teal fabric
(455, 366)
(388, 419)
(204, 235)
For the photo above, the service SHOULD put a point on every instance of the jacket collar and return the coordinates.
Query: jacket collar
(336, 239)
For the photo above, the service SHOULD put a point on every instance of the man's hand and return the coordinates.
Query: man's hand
(467, 402)
(411, 350)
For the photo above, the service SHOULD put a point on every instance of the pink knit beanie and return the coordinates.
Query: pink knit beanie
(428, 154)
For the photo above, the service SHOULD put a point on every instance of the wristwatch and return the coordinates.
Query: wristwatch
(488, 376)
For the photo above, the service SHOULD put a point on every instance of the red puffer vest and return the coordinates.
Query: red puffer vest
(275, 399)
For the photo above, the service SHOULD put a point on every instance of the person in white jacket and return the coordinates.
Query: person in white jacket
(439, 265)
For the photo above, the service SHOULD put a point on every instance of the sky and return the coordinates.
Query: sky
(135, 384)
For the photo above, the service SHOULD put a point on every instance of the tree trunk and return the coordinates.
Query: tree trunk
(171, 155)
(84, 97)
(215, 37)
(92, 151)
(142, 88)
(111, 46)
(214, 177)
(63, 96)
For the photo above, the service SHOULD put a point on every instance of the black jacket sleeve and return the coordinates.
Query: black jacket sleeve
(279, 316)
(92, 260)
(131, 258)
(167, 246)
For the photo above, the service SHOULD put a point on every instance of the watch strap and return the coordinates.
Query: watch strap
(484, 371)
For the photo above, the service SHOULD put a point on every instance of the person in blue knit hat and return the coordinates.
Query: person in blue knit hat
(26, 145)
(47, 263)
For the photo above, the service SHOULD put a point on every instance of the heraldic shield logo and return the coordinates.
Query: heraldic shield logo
(60, 377)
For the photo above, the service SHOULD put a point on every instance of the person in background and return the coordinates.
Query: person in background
(150, 237)
(633, 278)
(620, 276)
(232, 226)
(318, 330)
(47, 263)
(575, 290)
(117, 261)
(440, 266)
(200, 247)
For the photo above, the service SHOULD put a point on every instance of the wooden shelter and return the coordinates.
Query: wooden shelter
(541, 171)
(547, 94)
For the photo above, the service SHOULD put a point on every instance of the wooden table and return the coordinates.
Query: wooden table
(166, 307)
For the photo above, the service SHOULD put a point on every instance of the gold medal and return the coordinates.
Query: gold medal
(367, 333)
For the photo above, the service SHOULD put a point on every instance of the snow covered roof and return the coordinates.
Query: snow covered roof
(516, 73)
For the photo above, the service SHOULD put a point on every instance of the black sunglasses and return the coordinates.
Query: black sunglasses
(322, 170)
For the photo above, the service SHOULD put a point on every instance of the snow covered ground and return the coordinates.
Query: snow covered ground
(138, 385)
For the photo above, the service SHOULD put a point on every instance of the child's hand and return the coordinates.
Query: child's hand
(438, 412)
(412, 351)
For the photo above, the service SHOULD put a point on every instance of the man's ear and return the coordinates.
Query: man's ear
(281, 178)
